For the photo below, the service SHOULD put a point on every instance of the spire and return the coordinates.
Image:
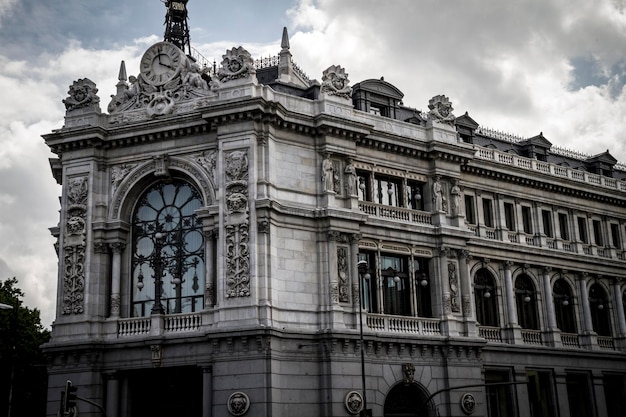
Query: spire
(176, 28)
(284, 43)
(121, 79)
(122, 75)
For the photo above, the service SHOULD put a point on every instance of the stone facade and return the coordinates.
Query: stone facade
(467, 264)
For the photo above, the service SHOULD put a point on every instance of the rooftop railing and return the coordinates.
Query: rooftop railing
(550, 169)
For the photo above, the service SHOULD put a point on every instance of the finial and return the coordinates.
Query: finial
(122, 75)
(284, 43)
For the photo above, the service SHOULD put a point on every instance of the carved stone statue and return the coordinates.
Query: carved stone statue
(327, 173)
(437, 195)
(441, 110)
(455, 197)
(335, 82)
(193, 78)
(351, 177)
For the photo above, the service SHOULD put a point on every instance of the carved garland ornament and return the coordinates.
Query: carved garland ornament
(236, 63)
(342, 269)
(74, 246)
(82, 94)
(453, 279)
(237, 225)
(440, 110)
(335, 82)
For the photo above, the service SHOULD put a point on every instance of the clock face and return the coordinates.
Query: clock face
(161, 63)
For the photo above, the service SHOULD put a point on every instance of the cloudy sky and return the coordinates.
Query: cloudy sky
(523, 67)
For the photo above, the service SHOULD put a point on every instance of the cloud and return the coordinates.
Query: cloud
(512, 65)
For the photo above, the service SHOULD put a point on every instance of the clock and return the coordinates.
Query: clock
(161, 63)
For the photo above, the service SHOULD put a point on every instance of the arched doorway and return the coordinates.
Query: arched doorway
(407, 400)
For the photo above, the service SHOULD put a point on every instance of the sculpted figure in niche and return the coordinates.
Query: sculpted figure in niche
(350, 173)
(455, 196)
(327, 173)
(437, 195)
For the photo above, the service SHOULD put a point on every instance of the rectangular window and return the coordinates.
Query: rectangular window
(509, 216)
(367, 280)
(488, 212)
(541, 393)
(563, 226)
(546, 218)
(615, 394)
(500, 400)
(470, 210)
(396, 288)
(597, 233)
(527, 220)
(617, 242)
(582, 229)
(579, 394)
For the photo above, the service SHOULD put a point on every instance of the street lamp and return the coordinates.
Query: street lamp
(362, 267)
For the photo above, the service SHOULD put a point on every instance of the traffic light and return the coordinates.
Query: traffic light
(69, 397)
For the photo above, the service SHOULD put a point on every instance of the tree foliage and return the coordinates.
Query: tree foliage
(22, 364)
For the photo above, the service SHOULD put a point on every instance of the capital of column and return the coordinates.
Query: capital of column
(508, 264)
(547, 269)
(117, 247)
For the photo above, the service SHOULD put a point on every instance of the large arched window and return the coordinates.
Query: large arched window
(525, 298)
(598, 302)
(563, 306)
(485, 298)
(167, 263)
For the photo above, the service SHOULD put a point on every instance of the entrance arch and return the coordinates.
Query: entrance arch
(407, 400)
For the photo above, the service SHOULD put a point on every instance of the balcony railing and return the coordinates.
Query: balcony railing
(172, 323)
(401, 324)
(550, 169)
(133, 326)
(182, 322)
(606, 342)
(531, 337)
(395, 213)
(492, 334)
(569, 340)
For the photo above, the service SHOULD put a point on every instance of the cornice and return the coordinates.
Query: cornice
(539, 182)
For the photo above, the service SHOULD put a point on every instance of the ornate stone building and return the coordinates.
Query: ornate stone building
(223, 231)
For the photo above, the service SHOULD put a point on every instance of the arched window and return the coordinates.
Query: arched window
(598, 302)
(167, 264)
(526, 301)
(395, 280)
(563, 306)
(485, 298)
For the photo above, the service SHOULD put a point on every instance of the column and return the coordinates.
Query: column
(584, 301)
(588, 339)
(209, 267)
(549, 299)
(207, 391)
(467, 301)
(619, 307)
(509, 291)
(116, 270)
(512, 332)
(113, 394)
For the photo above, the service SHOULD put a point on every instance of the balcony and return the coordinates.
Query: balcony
(395, 213)
(171, 323)
(402, 324)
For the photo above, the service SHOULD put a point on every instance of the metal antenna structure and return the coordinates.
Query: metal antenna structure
(176, 27)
